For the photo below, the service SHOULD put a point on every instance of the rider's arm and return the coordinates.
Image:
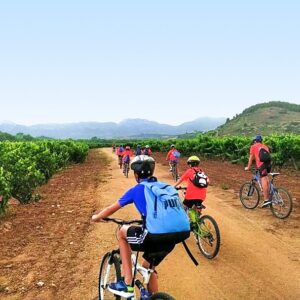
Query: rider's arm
(106, 212)
(251, 157)
(178, 182)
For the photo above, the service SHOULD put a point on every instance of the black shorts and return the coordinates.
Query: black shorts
(154, 252)
(265, 169)
(191, 203)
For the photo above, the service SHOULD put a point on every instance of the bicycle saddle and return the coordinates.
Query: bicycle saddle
(274, 174)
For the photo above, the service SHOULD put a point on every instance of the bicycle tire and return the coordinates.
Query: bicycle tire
(279, 203)
(106, 278)
(249, 198)
(206, 237)
(174, 172)
(127, 170)
(161, 296)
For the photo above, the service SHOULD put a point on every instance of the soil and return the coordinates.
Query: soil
(51, 250)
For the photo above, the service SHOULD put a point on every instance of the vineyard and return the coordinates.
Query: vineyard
(26, 165)
(285, 149)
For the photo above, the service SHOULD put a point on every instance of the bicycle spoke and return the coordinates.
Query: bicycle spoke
(208, 236)
(282, 204)
(249, 195)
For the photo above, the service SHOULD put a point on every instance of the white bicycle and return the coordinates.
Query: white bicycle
(110, 271)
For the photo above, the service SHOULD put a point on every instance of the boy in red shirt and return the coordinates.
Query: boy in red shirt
(194, 195)
(263, 167)
(127, 154)
(171, 158)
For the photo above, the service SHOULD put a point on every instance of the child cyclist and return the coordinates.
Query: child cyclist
(133, 237)
(172, 157)
(127, 154)
(194, 195)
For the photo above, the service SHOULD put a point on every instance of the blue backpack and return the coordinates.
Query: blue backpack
(176, 154)
(166, 219)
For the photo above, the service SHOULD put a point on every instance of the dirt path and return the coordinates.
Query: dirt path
(55, 242)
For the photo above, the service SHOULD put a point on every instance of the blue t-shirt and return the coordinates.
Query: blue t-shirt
(136, 195)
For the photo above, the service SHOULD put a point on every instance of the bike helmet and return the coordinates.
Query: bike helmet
(172, 146)
(143, 165)
(258, 138)
(127, 147)
(193, 160)
(147, 146)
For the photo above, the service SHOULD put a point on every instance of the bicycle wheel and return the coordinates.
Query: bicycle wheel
(249, 195)
(110, 271)
(127, 170)
(282, 203)
(208, 236)
(161, 296)
(174, 172)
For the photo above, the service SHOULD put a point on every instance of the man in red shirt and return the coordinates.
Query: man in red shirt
(263, 167)
(172, 157)
(194, 195)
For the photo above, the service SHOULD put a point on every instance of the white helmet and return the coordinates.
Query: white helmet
(143, 165)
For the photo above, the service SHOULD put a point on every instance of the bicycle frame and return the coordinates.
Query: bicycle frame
(145, 272)
(136, 267)
(257, 179)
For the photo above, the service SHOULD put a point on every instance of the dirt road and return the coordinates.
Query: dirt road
(256, 260)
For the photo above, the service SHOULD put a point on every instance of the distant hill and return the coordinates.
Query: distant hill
(265, 118)
(137, 128)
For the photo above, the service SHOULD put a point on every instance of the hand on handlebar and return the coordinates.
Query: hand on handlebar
(95, 218)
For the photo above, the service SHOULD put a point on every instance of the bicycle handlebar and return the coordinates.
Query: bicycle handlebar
(123, 222)
(180, 188)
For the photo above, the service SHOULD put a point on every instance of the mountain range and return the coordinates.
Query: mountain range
(129, 128)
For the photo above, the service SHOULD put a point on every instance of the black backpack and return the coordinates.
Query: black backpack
(200, 179)
(264, 155)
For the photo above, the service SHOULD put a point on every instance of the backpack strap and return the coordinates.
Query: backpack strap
(188, 251)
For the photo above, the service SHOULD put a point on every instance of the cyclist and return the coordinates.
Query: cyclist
(263, 167)
(113, 147)
(120, 152)
(133, 237)
(126, 156)
(147, 150)
(138, 150)
(173, 157)
(194, 195)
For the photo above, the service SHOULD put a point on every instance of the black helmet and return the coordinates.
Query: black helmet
(143, 165)
(258, 138)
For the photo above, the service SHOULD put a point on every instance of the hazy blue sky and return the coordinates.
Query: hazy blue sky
(167, 61)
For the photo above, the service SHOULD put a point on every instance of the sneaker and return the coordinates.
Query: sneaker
(266, 203)
(121, 289)
(170, 170)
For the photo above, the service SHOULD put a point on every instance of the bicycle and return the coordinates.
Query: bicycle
(174, 170)
(110, 271)
(205, 229)
(250, 195)
(120, 161)
(126, 169)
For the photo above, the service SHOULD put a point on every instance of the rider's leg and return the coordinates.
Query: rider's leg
(265, 186)
(125, 252)
(266, 192)
(153, 282)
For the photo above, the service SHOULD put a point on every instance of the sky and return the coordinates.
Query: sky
(163, 60)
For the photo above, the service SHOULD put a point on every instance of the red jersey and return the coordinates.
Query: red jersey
(125, 153)
(193, 192)
(254, 150)
(170, 155)
(120, 153)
